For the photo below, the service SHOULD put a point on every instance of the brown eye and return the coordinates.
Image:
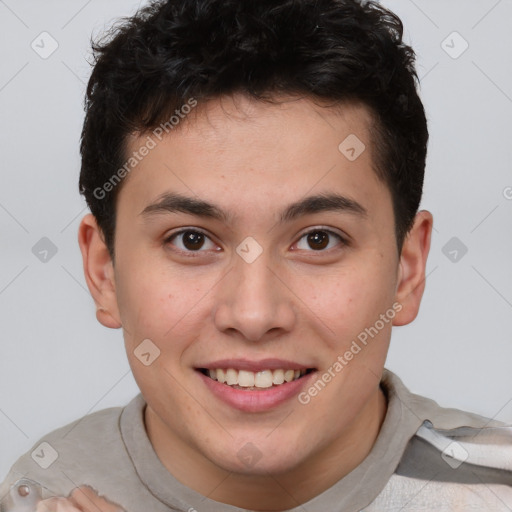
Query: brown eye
(320, 239)
(190, 240)
(193, 240)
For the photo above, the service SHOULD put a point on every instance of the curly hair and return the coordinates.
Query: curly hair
(170, 51)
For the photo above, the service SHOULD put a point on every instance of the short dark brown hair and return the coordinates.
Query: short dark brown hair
(153, 63)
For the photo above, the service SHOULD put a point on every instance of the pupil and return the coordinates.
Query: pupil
(321, 238)
(193, 240)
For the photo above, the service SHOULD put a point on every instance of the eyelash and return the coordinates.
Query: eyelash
(188, 253)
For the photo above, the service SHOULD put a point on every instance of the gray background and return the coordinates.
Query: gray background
(57, 363)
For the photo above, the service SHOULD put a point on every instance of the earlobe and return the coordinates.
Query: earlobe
(99, 272)
(411, 272)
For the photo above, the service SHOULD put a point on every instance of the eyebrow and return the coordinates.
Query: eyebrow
(327, 202)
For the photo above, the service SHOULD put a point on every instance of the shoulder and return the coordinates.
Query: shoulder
(443, 418)
(92, 443)
(456, 460)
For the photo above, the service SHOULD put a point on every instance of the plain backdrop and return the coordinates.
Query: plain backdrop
(58, 364)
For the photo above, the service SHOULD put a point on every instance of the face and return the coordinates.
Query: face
(252, 284)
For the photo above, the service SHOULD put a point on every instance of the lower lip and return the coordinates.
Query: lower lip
(256, 401)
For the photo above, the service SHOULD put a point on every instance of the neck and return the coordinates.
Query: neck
(271, 492)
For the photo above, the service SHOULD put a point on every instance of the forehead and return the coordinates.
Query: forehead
(238, 150)
(239, 120)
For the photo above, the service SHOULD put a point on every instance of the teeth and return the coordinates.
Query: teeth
(263, 379)
(288, 375)
(278, 377)
(221, 376)
(231, 376)
(246, 379)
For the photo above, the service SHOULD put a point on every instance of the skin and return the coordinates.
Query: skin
(82, 499)
(293, 302)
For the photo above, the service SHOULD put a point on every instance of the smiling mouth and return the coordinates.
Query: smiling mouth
(251, 381)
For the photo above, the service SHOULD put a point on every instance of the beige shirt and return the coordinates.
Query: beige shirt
(425, 458)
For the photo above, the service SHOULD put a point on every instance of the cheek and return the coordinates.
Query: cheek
(345, 302)
(160, 303)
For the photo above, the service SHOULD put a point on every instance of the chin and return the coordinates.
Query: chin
(253, 458)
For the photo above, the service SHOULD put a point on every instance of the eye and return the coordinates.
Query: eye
(319, 239)
(191, 240)
(195, 241)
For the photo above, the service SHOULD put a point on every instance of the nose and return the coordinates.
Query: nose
(254, 301)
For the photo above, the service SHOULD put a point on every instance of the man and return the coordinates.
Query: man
(254, 172)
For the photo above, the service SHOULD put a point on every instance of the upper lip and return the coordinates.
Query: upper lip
(254, 366)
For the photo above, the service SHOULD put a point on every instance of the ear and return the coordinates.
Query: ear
(99, 272)
(411, 272)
